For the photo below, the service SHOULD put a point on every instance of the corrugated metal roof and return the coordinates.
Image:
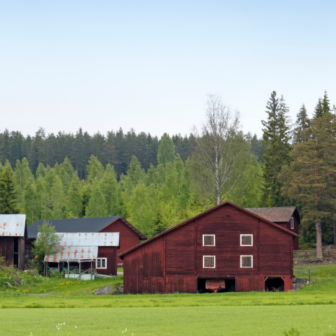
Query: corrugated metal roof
(279, 214)
(94, 224)
(12, 225)
(89, 238)
(73, 253)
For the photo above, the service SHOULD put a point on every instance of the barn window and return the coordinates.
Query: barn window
(209, 240)
(246, 240)
(292, 223)
(209, 262)
(101, 263)
(246, 261)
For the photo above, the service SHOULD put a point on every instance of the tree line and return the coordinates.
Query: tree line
(156, 184)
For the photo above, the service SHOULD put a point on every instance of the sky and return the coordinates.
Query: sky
(149, 65)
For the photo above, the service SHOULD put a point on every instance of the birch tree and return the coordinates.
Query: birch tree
(221, 151)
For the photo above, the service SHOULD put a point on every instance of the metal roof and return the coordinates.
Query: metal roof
(89, 238)
(69, 253)
(12, 225)
(92, 224)
(275, 215)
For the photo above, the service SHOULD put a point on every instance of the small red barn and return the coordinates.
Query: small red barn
(13, 231)
(128, 234)
(287, 217)
(226, 246)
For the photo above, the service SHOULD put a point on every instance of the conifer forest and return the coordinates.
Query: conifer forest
(156, 183)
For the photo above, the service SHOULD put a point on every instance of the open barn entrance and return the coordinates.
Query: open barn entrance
(274, 284)
(230, 285)
(16, 252)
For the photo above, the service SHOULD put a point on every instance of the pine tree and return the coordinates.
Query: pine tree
(97, 205)
(74, 205)
(319, 109)
(302, 123)
(326, 104)
(166, 151)
(276, 152)
(8, 196)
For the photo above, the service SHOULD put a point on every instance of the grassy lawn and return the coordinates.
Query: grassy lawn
(262, 320)
(311, 310)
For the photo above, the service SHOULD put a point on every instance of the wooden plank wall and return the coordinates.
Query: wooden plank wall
(109, 252)
(128, 238)
(7, 250)
(143, 269)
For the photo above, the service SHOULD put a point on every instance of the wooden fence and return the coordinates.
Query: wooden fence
(302, 271)
(312, 253)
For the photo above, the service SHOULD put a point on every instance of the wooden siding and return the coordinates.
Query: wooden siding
(287, 226)
(109, 252)
(143, 269)
(128, 238)
(173, 262)
(7, 250)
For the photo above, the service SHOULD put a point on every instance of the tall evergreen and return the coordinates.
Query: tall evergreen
(322, 107)
(276, 138)
(302, 123)
(8, 196)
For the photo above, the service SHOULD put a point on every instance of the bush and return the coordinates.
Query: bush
(292, 332)
(11, 277)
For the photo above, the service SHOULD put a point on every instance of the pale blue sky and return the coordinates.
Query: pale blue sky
(101, 65)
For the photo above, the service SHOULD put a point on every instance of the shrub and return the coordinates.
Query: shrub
(292, 332)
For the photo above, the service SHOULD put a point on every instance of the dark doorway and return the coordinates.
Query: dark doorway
(230, 285)
(274, 285)
(16, 252)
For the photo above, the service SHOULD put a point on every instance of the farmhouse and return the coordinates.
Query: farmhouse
(86, 250)
(128, 234)
(287, 217)
(13, 231)
(226, 248)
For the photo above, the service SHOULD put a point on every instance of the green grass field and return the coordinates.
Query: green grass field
(311, 310)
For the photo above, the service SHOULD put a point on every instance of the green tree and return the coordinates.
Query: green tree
(109, 186)
(8, 196)
(276, 140)
(135, 172)
(166, 151)
(30, 203)
(95, 169)
(97, 204)
(310, 178)
(22, 176)
(74, 205)
(141, 212)
(47, 243)
(57, 199)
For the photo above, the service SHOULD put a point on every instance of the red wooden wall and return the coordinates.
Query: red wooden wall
(7, 250)
(109, 252)
(174, 261)
(286, 225)
(128, 238)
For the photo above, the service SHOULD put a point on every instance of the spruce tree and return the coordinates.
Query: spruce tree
(302, 123)
(276, 152)
(8, 196)
(319, 110)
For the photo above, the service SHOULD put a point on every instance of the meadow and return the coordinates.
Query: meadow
(311, 310)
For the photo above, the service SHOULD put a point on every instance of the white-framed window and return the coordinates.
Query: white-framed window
(209, 261)
(292, 223)
(246, 261)
(101, 263)
(246, 240)
(209, 240)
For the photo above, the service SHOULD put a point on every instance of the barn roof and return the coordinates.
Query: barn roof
(92, 224)
(280, 214)
(68, 253)
(202, 214)
(12, 225)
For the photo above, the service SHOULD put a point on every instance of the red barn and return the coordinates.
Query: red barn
(287, 217)
(225, 248)
(128, 234)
